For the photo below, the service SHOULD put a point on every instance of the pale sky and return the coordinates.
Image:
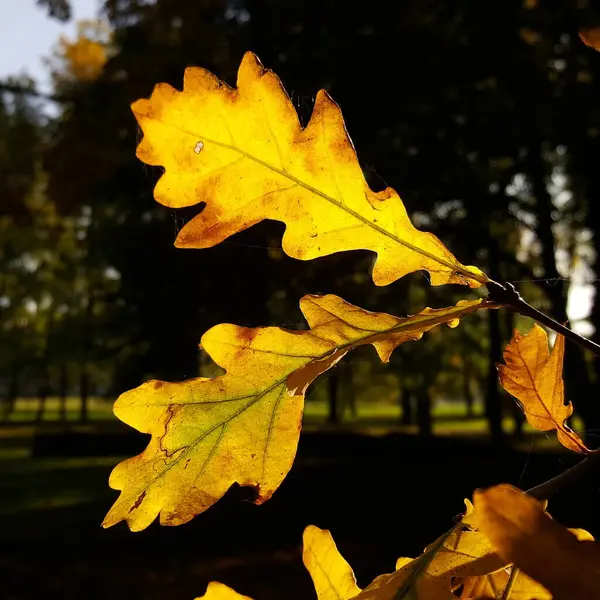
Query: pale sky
(27, 35)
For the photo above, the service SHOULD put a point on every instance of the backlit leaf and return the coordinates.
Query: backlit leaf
(565, 562)
(243, 426)
(493, 584)
(244, 153)
(331, 574)
(219, 591)
(534, 377)
(434, 575)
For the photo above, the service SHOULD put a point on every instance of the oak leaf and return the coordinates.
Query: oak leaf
(533, 376)
(566, 562)
(455, 556)
(332, 576)
(220, 591)
(243, 427)
(244, 153)
(493, 585)
(436, 574)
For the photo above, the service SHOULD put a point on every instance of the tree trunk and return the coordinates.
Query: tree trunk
(469, 399)
(407, 416)
(348, 389)
(578, 385)
(84, 381)
(515, 409)
(83, 392)
(333, 382)
(43, 396)
(63, 384)
(12, 392)
(424, 413)
(493, 399)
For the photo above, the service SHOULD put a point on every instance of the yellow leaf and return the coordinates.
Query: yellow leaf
(243, 427)
(591, 37)
(566, 563)
(434, 575)
(244, 153)
(468, 515)
(534, 377)
(331, 574)
(219, 591)
(493, 584)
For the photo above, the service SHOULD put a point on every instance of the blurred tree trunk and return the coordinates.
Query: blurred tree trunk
(333, 385)
(469, 399)
(493, 399)
(84, 380)
(43, 392)
(578, 384)
(12, 392)
(63, 384)
(424, 422)
(493, 408)
(405, 400)
(348, 388)
(83, 392)
(515, 409)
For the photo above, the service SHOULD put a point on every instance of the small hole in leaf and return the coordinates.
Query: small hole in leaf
(198, 147)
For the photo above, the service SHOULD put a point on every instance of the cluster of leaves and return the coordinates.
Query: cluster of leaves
(244, 153)
(475, 559)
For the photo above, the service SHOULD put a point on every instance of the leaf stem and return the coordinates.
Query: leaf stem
(506, 294)
(514, 572)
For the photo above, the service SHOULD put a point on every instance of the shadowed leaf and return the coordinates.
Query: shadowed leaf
(566, 562)
(432, 576)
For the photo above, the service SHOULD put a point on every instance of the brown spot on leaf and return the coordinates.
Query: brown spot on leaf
(138, 501)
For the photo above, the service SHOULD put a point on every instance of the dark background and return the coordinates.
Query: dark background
(483, 115)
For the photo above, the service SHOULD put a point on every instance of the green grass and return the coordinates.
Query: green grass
(30, 484)
(449, 418)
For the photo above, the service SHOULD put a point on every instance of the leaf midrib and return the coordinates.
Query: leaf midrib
(439, 319)
(453, 267)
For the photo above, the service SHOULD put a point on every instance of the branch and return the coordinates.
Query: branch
(567, 479)
(18, 89)
(506, 294)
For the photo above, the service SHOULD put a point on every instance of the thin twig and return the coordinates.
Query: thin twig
(514, 572)
(506, 294)
(568, 478)
(26, 91)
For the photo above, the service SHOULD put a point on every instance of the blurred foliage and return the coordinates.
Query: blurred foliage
(57, 9)
(81, 60)
(484, 116)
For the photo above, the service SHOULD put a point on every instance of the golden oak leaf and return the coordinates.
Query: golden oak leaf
(591, 37)
(493, 585)
(331, 574)
(434, 575)
(534, 377)
(243, 427)
(244, 153)
(565, 562)
(220, 591)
